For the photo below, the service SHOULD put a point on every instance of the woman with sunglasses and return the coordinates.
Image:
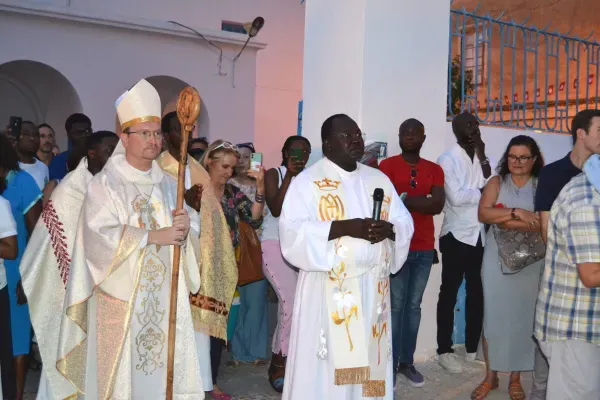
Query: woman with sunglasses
(220, 160)
(251, 330)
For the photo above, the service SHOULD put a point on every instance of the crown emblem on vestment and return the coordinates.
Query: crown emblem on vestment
(327, 184)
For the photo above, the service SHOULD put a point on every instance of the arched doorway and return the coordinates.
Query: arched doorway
(168, 88)
(37, 92)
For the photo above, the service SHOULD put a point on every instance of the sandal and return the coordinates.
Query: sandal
(277, 372)
(516, 392)
(483, 390)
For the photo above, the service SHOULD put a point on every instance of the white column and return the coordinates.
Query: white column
(380, 62)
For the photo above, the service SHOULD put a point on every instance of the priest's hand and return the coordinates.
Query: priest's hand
(21, 298)
(174, 235)
(181, 222)
(379, 231)
(193, 197)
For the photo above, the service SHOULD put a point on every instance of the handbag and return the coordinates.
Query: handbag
(249, 255)
(516, 249)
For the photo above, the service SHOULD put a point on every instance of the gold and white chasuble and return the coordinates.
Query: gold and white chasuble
(45, 269)
(114, 338)
(340, 346)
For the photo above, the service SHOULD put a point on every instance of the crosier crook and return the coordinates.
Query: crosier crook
(188, 109)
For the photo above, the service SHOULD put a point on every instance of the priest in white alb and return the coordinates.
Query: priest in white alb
(340, 345)
(47, 260)
(114, 338)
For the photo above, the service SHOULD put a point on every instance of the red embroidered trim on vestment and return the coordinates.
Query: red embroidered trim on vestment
(58, 240)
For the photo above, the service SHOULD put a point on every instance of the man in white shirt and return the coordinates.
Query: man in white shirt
(8, 250)
(462, 237)
(28, 143)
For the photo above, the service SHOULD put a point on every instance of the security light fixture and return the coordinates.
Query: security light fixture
(252, 28)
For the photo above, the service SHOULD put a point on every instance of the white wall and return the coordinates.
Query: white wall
(553, 147)
(279, 66)
(101, 61)
(278, 85)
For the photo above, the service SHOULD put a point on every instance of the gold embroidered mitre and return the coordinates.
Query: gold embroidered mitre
(138, 105)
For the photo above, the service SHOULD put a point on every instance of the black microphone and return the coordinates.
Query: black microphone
(377, 201)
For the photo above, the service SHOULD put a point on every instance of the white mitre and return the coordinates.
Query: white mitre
(138, 105)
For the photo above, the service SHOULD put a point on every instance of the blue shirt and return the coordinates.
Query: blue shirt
(22, 193)
(553, 178)
(58, 166)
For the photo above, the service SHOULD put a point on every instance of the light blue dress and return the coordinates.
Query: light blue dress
(22, 192)
(509, 300)
(251, 334)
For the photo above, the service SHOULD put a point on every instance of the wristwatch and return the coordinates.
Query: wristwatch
(513, 214)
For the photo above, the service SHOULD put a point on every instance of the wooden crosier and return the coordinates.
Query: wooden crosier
(188, 109)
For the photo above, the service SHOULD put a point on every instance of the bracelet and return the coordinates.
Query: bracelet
(259, 198)
(486, 161)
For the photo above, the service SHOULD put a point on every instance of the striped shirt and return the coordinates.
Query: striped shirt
(565, 308)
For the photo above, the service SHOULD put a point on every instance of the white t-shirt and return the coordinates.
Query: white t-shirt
(8, 227)
(39, 172)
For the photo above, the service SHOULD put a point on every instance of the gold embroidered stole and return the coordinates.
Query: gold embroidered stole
(218, 266)
(45, 268)
(357, 358)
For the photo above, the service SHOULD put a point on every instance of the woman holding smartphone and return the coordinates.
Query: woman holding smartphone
(282, 276)
(251, 327)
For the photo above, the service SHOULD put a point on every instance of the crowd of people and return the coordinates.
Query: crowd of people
(87, 240)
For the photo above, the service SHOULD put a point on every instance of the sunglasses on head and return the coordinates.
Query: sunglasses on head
(225, 145)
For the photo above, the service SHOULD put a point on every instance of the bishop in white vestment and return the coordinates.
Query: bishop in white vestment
(47, 260)
(340, 345)
(114, 340)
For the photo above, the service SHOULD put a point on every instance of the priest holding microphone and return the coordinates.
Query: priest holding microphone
(345, 228)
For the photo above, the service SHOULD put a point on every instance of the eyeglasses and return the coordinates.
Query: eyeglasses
(519, 160)
(147, 135)
(413, 178)
(351, 136)
(226, 145)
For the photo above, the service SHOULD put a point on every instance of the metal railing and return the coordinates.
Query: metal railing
(518, 76)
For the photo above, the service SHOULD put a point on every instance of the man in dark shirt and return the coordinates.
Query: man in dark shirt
(551, 181)
(78, 127)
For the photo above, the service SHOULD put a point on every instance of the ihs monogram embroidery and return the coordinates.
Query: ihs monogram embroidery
(144, 207)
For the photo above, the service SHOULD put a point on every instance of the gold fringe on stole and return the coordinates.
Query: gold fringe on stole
(374, 389)
(208, 323)
(352, 376)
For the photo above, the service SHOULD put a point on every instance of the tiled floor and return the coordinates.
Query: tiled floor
(250, 383)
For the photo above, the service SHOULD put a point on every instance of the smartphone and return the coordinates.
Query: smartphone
(15, 126)
(255, 161)
(297, 154)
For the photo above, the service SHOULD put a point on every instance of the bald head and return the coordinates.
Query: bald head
(337, 123)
